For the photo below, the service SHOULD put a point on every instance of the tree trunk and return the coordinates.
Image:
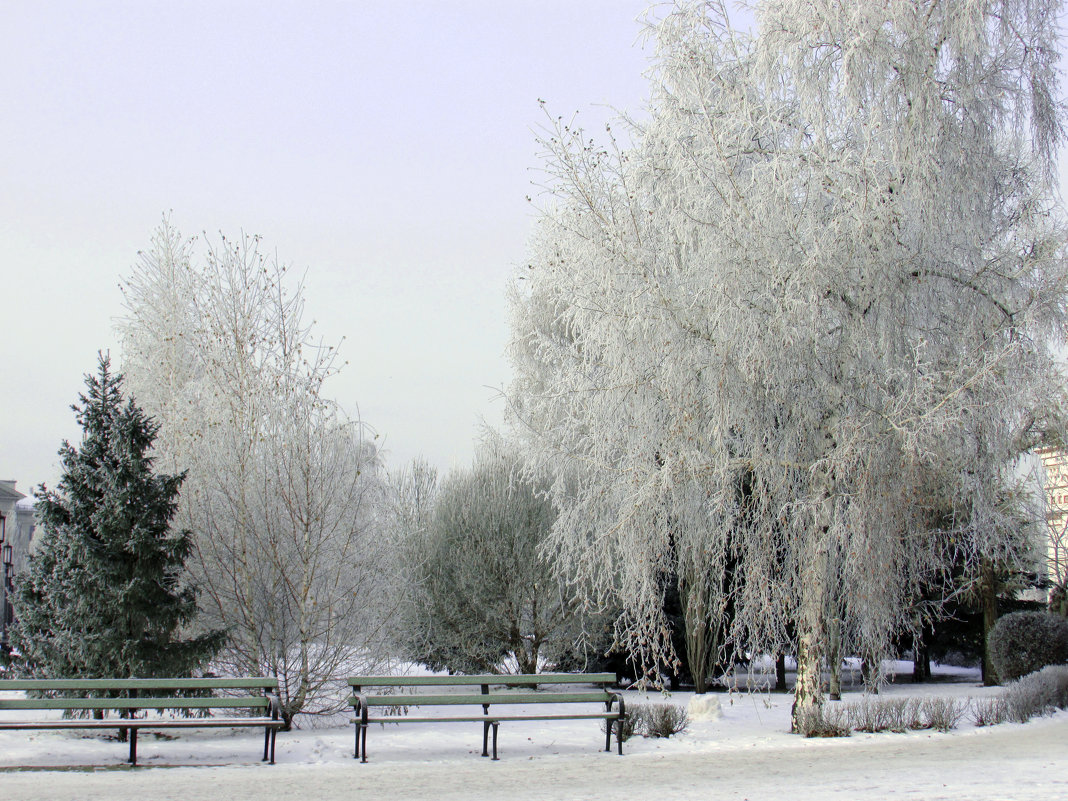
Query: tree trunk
(870, 668)
(834, 658)
(989, 588)
(921, 656)
(780, 672)
(808, 689)
(808, 695)
(699, 633)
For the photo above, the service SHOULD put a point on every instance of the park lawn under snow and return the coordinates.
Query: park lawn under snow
(746, 753)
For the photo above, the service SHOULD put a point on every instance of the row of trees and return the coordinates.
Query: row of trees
(776, 362)
(113, 587)
(309, 563)
(791, 345)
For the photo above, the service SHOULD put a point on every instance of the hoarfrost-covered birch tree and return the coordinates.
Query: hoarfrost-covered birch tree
(282, 490)
(814, 305)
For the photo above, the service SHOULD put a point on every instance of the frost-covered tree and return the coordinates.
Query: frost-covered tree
(106, 593)
(479, 595)
(831, 270)
(282, 489)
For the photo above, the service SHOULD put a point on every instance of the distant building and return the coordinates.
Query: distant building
(1055, 464)
(19, 522)
(16, 532)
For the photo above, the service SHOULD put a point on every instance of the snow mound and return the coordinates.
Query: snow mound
(704, 707)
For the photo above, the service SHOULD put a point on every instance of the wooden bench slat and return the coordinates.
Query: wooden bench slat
(531, 697)
(487, 718)
(134, 703)
(485, 678)
(428, 719)
(141, 723)
(261, 682)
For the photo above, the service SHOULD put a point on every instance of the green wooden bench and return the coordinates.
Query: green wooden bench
(494, 691)
(135, 699)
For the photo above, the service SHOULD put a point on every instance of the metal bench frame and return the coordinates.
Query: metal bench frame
(132, 696)
(489, 694)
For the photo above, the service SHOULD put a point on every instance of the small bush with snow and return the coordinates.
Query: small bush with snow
(989, 711)
(944, 714)
(1039, 693)
(1023, 642)
(826, 721)
(653, 720)
(664, 720)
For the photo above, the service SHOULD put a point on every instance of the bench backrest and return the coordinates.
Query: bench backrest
(495, 689)
(485, 679)
(460, 699)
(138, 693)
(87, 685)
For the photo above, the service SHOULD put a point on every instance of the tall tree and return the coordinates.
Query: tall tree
(478, 592)
(831, 266)
(283, 489)
(106, 593)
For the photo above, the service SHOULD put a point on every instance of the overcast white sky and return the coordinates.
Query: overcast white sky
(385, 148)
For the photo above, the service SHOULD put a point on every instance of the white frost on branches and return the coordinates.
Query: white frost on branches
(801, 331)
(282, 489)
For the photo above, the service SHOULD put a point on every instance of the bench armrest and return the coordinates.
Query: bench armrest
(359, 707)
(274, 706)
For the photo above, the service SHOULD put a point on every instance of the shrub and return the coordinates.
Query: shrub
(989, 711)
(902, 714)
(868, 715)
(826, 722)
(664, 720)
(652, 720)
(944, 714)
(1039, 693)
(889, 714)
(1023, 642)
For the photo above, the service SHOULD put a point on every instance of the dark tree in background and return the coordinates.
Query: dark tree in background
(106, 593)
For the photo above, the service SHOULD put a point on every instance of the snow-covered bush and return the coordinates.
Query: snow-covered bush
(1039, 693)
(827, 721)
(887, 714)
(989, 711)
(904, 714)
(944, 714)
(868, 715)
(1023, 642)
(664, 720)
(653, 720)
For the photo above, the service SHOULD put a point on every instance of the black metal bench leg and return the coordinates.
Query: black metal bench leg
(485, 738)
(133, 747)
(266, 741)
(619, 735)
(274, 736)
(495, 726)
(363, 738)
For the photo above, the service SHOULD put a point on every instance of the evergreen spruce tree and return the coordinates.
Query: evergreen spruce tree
(106, 592)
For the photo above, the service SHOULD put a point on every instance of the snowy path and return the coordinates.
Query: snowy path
(999, 763)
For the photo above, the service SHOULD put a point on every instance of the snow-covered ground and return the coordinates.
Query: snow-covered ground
(747, 753)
